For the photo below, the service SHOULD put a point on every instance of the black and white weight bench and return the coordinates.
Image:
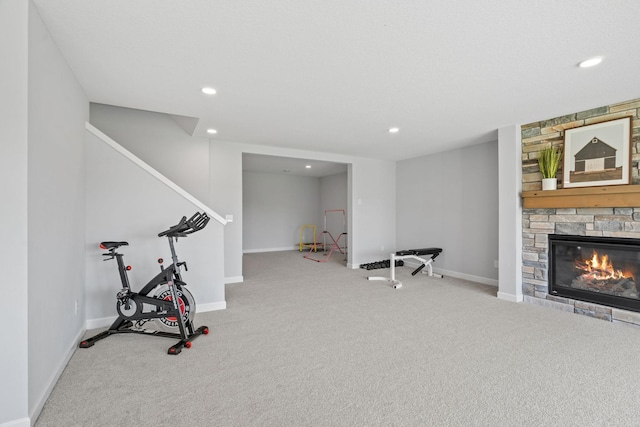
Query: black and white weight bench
(411, 254)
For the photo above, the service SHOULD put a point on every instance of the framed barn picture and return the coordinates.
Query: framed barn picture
(598, 154)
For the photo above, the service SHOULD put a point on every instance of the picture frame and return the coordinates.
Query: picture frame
(598, 154)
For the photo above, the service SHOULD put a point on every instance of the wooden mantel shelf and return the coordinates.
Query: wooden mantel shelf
(614, 196)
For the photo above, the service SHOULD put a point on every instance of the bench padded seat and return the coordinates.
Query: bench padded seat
(423, 251)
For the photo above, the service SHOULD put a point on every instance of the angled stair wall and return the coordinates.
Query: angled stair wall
(128, 200)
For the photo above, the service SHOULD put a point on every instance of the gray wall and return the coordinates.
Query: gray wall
(450, 200)
(14, 228)
(225, 197)
(161, 142)
(333, 196)
(58, 110)
(510, 213)
(372, 211)
(275, 206)
(46, 110)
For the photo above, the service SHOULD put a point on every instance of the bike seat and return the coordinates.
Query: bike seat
(112, 245)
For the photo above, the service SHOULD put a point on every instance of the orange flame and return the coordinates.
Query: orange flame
(600, 268)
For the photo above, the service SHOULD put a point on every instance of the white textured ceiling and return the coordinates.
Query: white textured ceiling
(334, 75)
(290, 166)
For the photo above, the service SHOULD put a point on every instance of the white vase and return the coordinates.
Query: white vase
(549, 183)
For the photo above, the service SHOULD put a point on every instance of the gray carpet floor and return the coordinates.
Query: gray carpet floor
(316, 344)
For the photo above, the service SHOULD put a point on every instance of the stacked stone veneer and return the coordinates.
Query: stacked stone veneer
(537, 224)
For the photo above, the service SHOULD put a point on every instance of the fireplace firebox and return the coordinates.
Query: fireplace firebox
(600, 270)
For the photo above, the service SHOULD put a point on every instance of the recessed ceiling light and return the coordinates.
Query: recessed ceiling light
(308, 166)
(208, 91)
(394, 130)
(212, 131)
(590, 62)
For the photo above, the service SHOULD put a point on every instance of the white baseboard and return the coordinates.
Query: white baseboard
(102, 322)
(457, 275)
(233, 279)
(212, 306)
(285, 248)
(42, 399)
(470, 277)
(22, 422)
(509, 297)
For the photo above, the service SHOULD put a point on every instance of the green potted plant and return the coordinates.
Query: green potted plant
(549, 162)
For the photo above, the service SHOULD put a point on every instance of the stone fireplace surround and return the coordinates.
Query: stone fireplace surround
(537, 224)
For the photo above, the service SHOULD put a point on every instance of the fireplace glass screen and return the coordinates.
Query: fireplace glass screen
(595, 269)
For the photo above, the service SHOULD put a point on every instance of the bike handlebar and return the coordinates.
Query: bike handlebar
(187, 226)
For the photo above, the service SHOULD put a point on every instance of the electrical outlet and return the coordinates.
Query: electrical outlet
(495, 263)
(76, 308)
(229, 218)
(381, 248)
